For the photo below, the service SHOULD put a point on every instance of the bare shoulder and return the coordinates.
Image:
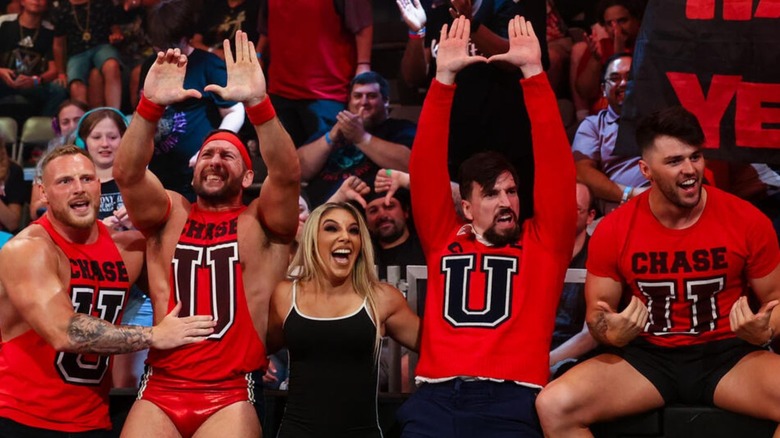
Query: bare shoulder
(31, 249)
(33, 240)
(389, 298)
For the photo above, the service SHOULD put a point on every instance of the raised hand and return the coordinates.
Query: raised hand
(412, 13)
(173, 331)
(164, 83)
(245, 79)
(624, 326)
(524, 51)
(453, 53)
(749, 326)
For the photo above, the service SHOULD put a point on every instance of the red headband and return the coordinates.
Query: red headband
(232, 139)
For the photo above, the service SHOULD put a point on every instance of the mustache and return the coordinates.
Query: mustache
(503, 211)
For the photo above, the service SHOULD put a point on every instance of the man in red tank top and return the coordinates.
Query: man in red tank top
(214, 257)
(63, 284)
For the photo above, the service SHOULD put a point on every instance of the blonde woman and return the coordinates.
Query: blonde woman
(331, 316)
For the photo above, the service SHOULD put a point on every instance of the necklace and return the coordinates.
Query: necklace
(85, 35)
(28, 41)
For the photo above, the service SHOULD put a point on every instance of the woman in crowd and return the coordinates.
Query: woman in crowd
(331, 316)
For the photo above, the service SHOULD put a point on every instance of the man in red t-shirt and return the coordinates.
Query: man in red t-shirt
(669, 275)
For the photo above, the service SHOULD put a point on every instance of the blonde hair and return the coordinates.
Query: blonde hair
(307, 264)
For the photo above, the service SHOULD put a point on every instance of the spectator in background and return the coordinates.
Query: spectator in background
(12, 192)
(617, 29)
(363, 140)
(100, 132)
(220, 21)
(185, 124)
(571, 338)
(613, 179)
(27, 67)
(312, 51)
(84, 31)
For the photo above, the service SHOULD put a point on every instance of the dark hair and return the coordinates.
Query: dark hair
(171, 20)
(675, 122)
(372, 77)
(635, 8)
(610, 60)
(55, 121)
(92, 118)
(483, 168)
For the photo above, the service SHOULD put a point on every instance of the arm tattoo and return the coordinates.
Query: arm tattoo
(599, 329)
(94, 335)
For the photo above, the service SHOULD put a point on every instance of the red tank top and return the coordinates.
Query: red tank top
(206, 277)
(68, 392)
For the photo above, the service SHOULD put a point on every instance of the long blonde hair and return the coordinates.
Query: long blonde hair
(308, 264)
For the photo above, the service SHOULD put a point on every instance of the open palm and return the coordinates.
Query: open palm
(453, 53)
(524, 47)
(245, 79)
(164, 83)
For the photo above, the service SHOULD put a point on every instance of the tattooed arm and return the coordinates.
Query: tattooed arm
(34, 280)
(602, 296)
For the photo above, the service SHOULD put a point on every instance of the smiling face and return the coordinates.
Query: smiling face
(220, 174)
(338, 243)
(72, 190)
(615, 82)
(102, 142)
(387, 222)
(675, 169)
(367, 101)
(494, 212)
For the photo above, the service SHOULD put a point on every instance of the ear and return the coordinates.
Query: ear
(249, 176)
(466, 207)
(604, 89)
(42, 191)
(645, 169)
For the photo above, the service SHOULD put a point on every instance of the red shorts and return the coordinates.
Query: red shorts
(189, 404)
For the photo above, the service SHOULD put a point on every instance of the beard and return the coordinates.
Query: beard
(390, 235)
(671, 193)
(67, 217)
(229, 189)
(505, 237)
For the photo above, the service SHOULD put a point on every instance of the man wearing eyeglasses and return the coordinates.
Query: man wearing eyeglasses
(613, 179)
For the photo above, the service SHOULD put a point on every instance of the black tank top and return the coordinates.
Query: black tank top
(333, 375)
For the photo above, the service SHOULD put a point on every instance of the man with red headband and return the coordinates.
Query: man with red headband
(216, 256)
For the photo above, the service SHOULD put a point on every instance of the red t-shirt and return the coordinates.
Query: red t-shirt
(688, 278)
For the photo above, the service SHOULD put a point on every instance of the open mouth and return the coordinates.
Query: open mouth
(341, 256)
(688, 184)
(81, 205)
(505, 218)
